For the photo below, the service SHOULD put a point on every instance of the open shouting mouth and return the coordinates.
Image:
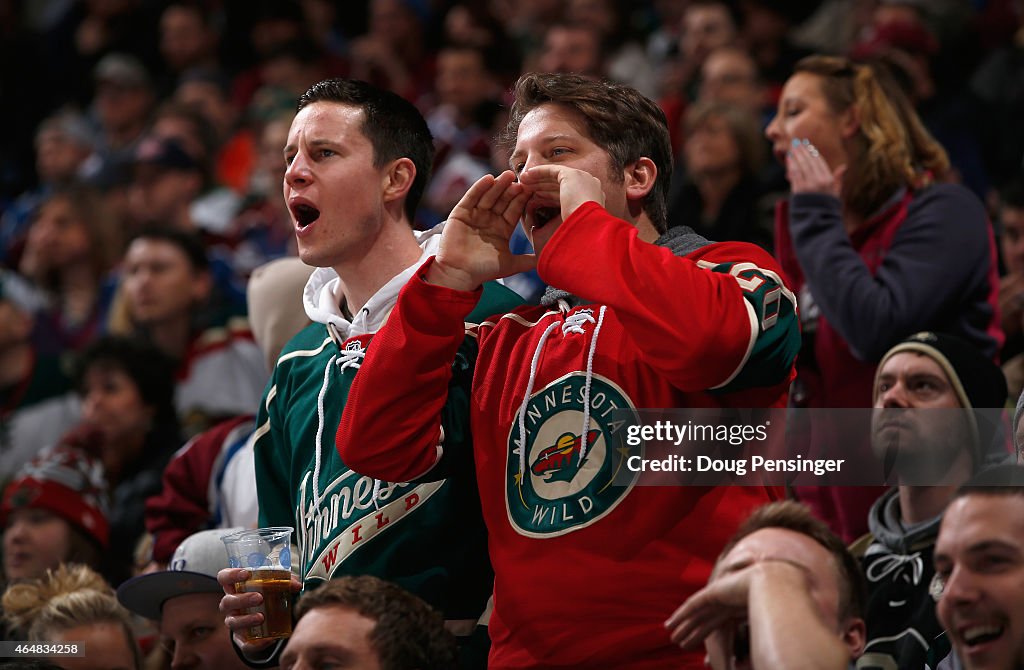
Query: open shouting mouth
(305, 214)
(542, 215)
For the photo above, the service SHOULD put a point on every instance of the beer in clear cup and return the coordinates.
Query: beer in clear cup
(266, 554)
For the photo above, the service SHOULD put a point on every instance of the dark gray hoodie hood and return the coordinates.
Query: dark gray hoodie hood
(884, 517)
(884, 524)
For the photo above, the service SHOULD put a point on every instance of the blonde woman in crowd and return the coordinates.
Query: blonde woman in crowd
(873, 241)
(72, 605)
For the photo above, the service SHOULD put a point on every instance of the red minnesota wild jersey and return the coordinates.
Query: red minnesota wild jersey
(585, 571)
(427, 537)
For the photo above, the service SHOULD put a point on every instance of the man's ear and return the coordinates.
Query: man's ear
(398, 179)
(854, 636)
(640, 177)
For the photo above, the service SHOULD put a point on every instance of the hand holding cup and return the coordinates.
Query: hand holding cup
(258, 586)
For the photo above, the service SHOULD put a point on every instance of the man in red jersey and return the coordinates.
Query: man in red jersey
(585, 571)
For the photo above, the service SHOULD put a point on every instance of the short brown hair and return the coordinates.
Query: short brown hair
(407, 633)
(791, 515)
(617, 118)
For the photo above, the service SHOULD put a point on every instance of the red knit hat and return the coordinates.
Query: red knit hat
(68, 482)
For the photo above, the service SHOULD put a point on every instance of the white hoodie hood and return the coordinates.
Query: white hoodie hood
(323, 293)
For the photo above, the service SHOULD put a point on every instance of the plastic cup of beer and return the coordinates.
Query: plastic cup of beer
(266, 554)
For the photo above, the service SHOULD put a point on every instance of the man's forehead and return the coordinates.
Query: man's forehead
(550, 120)
(913, 362)
(332, 626)
(980, 518)
(326, 111)
(188, 609)
(778, 544)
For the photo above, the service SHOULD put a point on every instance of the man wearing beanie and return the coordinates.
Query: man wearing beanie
(185, 602)
(54, 511)
(937, 401)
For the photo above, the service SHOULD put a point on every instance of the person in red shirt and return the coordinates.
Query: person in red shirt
(586, 571)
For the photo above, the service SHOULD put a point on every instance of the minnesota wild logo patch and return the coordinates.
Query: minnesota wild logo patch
(567, 480)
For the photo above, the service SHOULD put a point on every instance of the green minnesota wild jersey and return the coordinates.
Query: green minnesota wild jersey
(427, 537)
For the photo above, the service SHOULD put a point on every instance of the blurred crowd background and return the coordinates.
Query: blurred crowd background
(141, 168)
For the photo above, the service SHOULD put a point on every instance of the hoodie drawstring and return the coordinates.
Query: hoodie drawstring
(584, 442)
(891, 563)
(346, 358)
(573, 324)
(350, 358)
(526, 399)
(320, 429)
